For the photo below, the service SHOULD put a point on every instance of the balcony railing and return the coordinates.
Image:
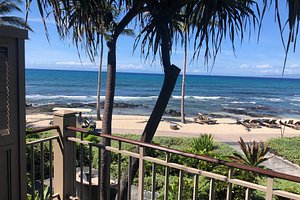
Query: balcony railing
(75, 188)
(31, 168)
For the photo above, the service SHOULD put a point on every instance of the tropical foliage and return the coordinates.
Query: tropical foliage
(254, 153)
(158, 25)
(204, 143)
(6, 8)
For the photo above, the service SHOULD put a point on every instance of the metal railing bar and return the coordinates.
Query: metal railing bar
(50, 169)
(286, 194)
(123, 152)
(129, 177)
(187, 169)
(99, 174)
(212, 189)
(32, 173)
(248, 185)
(258, 170)
(195, 191)
(167, 173)
(90, 170)
(247, 194)
(153, 186)
(42, 129)
(119, 170)
(81, 167)
(42, 140)
(229, 186)
(180, 186)
(42, 170)
(84, 142)
(141, 174)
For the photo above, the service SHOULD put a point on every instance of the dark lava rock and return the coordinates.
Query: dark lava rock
(212, 115)
(173, 112)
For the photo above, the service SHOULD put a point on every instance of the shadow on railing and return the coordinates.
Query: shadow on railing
(88, 176)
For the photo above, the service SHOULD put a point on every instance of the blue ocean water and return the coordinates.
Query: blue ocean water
(204, 94)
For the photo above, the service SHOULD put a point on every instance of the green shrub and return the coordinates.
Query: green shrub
(288, 148)
(254, 153)
(204, 143)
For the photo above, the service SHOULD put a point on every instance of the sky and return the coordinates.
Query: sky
(251, 58)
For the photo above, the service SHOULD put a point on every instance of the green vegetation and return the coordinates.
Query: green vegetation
(194, 145)
(254, 153)
(287, 148)
(203, 144)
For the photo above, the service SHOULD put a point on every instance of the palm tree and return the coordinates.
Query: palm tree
(98, 107)
(185, 39)
(157, 35)
(7, 7)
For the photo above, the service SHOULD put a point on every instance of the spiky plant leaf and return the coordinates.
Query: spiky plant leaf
(253, 153)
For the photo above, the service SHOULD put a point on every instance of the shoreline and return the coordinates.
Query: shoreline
(226, 130)
(145, 110)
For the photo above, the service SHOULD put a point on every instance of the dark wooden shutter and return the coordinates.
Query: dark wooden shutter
(4, 93)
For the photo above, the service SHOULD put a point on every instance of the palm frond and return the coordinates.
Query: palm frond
(232, 17)
(6, 8)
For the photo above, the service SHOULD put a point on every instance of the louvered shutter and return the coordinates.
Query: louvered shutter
(4, 93)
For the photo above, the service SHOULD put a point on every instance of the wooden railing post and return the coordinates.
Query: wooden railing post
(270, 184)
(64, 155)
(141, 174)
(229, 186)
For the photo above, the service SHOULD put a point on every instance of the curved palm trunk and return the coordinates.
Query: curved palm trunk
(99, 80)
(183, 79)
(107, 119)
(170, 78)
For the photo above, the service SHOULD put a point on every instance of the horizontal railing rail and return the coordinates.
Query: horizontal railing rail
(268, 189)
(257, 170)
(42, 129)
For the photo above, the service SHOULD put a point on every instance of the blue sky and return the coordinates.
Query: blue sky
(264, 58)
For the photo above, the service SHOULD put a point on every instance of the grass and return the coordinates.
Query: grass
(287, 148)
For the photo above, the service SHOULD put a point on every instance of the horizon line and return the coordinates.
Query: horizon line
(158, 73)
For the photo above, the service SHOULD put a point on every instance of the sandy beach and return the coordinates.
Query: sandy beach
(226, 130)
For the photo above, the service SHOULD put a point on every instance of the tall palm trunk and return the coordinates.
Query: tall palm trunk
(99, 79)
(109, 101)
(170, 78)
(107, 119)
(183, 78)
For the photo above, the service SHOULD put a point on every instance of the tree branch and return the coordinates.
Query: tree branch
(128, 17)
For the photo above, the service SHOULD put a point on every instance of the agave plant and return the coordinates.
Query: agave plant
(254, 153)
(204, 143)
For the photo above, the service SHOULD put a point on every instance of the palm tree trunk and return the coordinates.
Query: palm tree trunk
(107, 119)
(183, 79)
(99, 80)
(170, 78)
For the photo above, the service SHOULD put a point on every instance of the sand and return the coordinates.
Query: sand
(226, 130)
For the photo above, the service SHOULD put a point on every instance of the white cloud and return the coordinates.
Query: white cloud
(294, 66)
(196, 71)
(39, 20)
(244, 66)
(75, 63)
(130, 67)
(269, 71)
(266, 66)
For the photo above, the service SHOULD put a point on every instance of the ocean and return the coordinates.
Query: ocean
(224, 95)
